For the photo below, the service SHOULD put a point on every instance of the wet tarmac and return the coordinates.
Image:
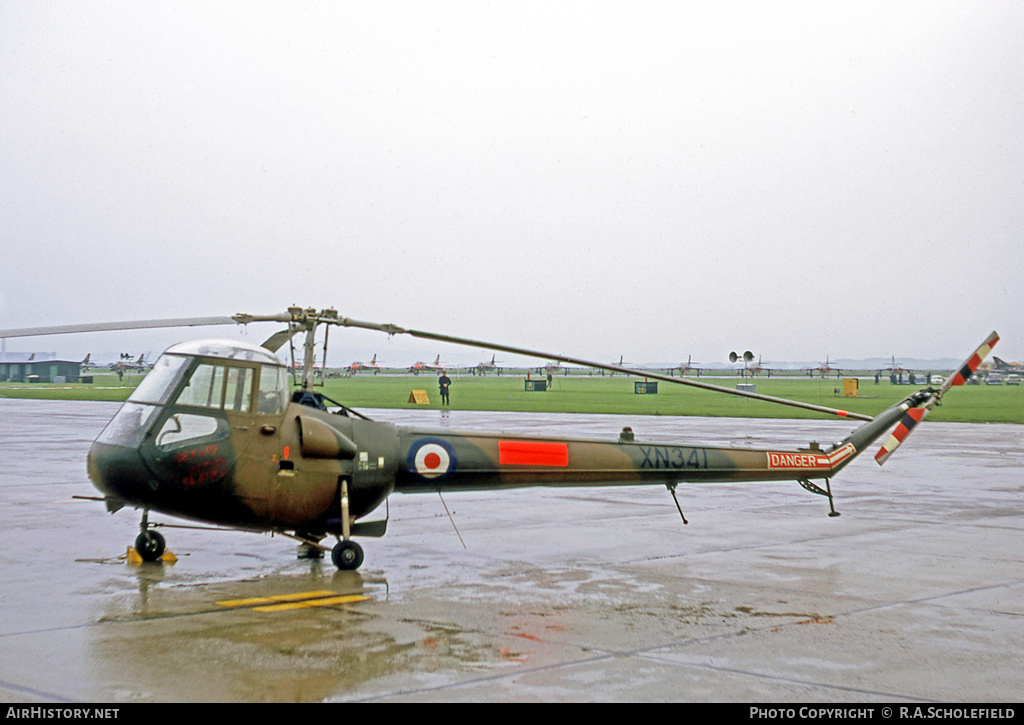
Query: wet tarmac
(915, 593)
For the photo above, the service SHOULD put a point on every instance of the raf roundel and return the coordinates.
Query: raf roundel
(431, 458)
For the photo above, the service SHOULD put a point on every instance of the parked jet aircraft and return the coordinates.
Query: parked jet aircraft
(824, 370)
(127, 362)
(483, 368)
(686, 367)
(422, 367)
(1006, 367)
(361, 366)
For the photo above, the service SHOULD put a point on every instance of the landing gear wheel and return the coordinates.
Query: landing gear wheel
(347, 555)
(150, 545)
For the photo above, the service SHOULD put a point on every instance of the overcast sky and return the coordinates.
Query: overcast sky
(655, 180)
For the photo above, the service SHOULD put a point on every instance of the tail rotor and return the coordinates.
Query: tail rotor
(925, 400)
(910, 419)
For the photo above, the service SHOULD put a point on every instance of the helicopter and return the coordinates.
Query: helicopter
(214, 433)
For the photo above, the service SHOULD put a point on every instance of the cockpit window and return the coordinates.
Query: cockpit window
(157, 386)
(186, 428)
(238, 392)
(129, 426)
(219, 386)
(205, 388)
(273, 390)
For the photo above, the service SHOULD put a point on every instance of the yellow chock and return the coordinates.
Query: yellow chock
(135, 558)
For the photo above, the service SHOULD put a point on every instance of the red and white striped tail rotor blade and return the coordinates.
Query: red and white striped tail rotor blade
(915, 415)
(899, 434)
(962, 374)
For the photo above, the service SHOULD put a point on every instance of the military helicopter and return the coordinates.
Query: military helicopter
(214, 433)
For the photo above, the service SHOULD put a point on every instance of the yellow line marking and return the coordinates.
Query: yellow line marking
(275, 598)
(349, 599)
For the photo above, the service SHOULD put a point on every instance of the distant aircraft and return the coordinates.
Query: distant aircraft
(484, 367)
(127, 363)
(552, 367)
(686, 367)
(620, 364)
(899, 375)
(1005, 367)
(893, 368)
(824, 370)
(420, 367)
(357, 366)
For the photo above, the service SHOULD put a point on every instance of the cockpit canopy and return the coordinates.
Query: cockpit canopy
(200, 379)
(228, 376)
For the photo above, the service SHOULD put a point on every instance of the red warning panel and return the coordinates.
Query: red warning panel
(532, 453)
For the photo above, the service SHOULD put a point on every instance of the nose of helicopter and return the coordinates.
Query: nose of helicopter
(120, 472)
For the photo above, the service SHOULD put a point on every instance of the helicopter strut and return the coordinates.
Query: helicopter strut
(808, 486)
(672, 490)
(346, 554)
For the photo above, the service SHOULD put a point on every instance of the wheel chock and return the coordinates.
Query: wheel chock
(135, 558)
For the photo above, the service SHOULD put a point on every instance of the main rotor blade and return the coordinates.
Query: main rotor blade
(396, 330)
(134, 325)
(275, 341)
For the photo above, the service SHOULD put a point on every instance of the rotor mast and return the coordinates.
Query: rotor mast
(299, 320)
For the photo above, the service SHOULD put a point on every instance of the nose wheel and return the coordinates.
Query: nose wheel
(347, 555)
(149, 544)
